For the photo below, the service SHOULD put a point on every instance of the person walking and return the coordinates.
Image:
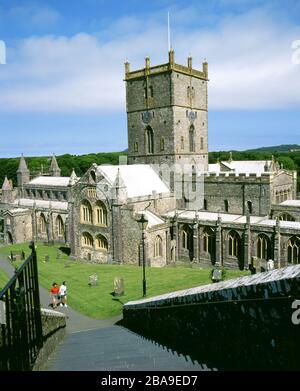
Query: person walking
(54, 293)
(63, 294)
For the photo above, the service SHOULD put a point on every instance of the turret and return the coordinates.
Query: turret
(54, 169)
(23, 174)
(73, 178)
(7, 192)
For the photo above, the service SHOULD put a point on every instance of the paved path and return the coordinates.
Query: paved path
(116, 349)
(100, 345)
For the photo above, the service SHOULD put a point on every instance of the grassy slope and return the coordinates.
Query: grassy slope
(3, 279)
(97, 301)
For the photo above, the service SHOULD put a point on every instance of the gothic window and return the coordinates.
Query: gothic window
(136, 146)
(249, 207)
(226, 205)
(43, 224)
(184, 239)
(192, 138)
(262, 247)
(162, 144)
(101, 214)
(294, 251)
(151, 91)
(286, 217)
(101, 243)
(208, 238)
(60, 229)
(194, 179)
(86, 212)
(158, 246)
(205, 204)
(233, 244)
(201, 143)
(87, 240)
(93, 175)
(150, 140)
(145, 93)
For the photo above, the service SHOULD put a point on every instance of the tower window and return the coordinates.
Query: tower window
(151, 91)
(226, 205)
(136, 146)
(182, 142)
(162, 144)
(145, 93)
(250, 207)
(205, 204)
(150, 140)
(192, 138)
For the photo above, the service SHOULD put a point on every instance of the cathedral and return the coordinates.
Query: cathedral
(235, 213)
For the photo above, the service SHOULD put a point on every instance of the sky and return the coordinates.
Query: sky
(62, 88)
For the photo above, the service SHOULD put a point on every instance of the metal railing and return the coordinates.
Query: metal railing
(21, 335)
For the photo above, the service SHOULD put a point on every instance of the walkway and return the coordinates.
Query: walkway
(100, 345)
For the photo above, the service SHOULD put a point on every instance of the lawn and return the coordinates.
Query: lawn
(97, 301)
(3, 279)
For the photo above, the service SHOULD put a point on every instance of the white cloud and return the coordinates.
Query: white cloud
(250, 65)
(35, 15)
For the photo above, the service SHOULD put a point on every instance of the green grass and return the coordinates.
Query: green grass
(3, 279)
(97, 301)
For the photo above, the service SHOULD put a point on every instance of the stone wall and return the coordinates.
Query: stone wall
(243, 324)
(54, 329)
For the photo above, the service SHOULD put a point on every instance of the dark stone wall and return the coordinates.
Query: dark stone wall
(54, 330)
(242, 324)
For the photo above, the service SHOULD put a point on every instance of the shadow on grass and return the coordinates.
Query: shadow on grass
(65, 250)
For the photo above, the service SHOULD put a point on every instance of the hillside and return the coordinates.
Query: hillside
(81, 163)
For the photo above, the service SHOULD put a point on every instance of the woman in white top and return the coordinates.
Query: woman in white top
(63, 294)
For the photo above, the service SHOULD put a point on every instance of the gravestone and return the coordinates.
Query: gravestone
(119, 286)
(93, 280)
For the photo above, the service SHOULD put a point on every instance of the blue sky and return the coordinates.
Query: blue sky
(62, 89)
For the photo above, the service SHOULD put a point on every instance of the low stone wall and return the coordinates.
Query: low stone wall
(54, 329)
(243, 324)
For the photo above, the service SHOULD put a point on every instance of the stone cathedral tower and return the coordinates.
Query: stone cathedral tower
(167, 114)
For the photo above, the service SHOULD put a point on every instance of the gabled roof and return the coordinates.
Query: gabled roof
(51, 181)
(29, 202)
(244, 166)
(139, 179)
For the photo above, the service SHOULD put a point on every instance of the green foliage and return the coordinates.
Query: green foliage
(37, 165)
(97, 301)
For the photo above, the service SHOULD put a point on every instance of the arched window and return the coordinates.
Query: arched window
(150, 140)
(294, 250)
(100, 214)
(205, 204)
(184, 239)
(158, 247)
(194, 179)
(101, 243)
(192, 138)
(263, 247)
(226, 205)
(233, 244)
(249, 207)
(87, 240)
(86, 212)
(208, 241)
(286, 217)
(93, 175)
(162, 144)
(60, 228)
(43, 224)
(151, 91)
(136, 146)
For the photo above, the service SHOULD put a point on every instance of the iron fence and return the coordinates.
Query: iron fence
(21, 335)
